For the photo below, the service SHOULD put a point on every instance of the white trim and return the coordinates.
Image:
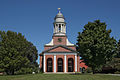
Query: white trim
(54, 63)
(51, 43)
(44, 63)
(61, 28)
(60, 34)
(68, 43)
(60, 53)
(59, 20)
(65, 63)
(65, 29)
(75, 63)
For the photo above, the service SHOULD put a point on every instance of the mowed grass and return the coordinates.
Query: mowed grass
(60, 77)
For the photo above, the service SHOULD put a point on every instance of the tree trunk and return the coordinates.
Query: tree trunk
(93, 72)
(13, 72)
(93, 69)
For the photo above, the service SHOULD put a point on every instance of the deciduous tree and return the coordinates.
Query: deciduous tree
(16, 53)
(95, 45)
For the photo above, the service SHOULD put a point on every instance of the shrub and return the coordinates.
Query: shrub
(24, 71)
(117, 72)
(88, 70)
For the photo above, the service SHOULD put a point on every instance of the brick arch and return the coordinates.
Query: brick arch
(57, 57)
(52, 57)
(49, 60)
(58, 60)
(70, 67)
(67, 57)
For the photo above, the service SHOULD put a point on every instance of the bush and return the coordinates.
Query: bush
(24, 71)
(88, 70)
(117, 72)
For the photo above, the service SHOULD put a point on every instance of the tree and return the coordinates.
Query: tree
(118, 50)
(16, 53)
(115, 62)
(0, 38)
(95, 45)
(117, 57)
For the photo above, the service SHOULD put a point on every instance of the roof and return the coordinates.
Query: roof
(63, 46)
(59, 15)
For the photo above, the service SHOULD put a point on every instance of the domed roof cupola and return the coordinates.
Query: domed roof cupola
(59, 17)
(59, 24)
(59, 34)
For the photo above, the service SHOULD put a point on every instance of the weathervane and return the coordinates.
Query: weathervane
(59, 9)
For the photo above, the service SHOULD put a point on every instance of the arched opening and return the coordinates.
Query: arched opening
(70, 65)
(56, 24)
(60, 65)
(59, 27)
(83, 69)
(49, 65)
(80, 69)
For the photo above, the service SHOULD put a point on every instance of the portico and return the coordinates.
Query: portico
(57, 62)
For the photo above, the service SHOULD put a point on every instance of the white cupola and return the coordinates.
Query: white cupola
(59, 24)
(59, 36)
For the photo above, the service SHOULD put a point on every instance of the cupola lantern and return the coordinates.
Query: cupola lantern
(59, 24)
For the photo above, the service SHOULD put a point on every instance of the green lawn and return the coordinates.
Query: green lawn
(60, 77)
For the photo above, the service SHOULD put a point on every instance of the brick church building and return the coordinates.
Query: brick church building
(60, 55)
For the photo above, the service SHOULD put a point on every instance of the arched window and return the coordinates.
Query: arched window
(60, 65)
(49, 65)
(80, 69)
(83, 69)
(70, 65)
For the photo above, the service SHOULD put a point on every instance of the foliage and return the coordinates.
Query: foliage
(0, 38)
(88, 70)
(16, 53)
(118, 50)
(115, 62)
(24, 71)
(117, 72)
(95, 45)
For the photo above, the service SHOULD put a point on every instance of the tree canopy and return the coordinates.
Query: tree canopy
(118, 50)
(115, 62)
(17, 55)
(95, 45)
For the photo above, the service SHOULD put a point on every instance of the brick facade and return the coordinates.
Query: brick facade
(49, 56)
(56, 42)
(57, 57)
(73, 57)
(60, 48)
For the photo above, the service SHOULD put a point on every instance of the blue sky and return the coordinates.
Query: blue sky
(34, 18)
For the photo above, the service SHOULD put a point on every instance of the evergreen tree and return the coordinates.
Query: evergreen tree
(95, 45)
(16, 53)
